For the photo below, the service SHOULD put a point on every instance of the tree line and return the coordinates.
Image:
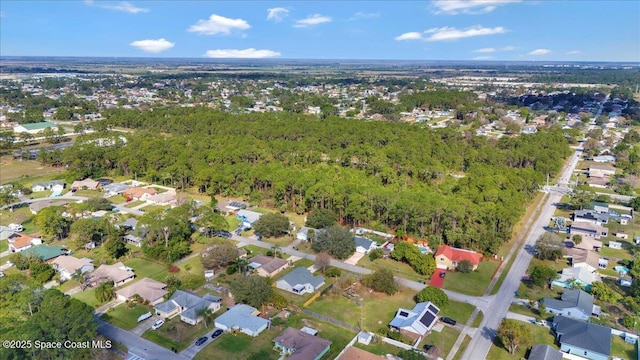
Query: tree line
(463, 190)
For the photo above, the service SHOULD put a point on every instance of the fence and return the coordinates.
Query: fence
(331, 320)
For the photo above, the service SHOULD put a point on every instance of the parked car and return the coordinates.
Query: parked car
(224, 234)
(448, 320)
(157, 324)
(427, 347)
(216, 333)
(201, 341)
(442, 274)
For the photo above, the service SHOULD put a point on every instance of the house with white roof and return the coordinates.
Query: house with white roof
(68, 265)
(187, 305)
(416, 322)
(248, 217)
(243, 318)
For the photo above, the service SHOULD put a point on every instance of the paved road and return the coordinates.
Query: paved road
(63, 197)
(135, 344)
(192, 350)
(480, 344)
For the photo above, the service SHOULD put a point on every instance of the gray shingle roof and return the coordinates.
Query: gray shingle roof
(572, 298)
(305, 346)
(544, 352)
(241, 316)
(592, 337)
(301, 276)
(363, 242)
(191, 302)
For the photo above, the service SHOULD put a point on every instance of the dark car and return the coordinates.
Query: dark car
(442, 274)
(448, 320)
(221, 233)
(216, 333)
(427, 347)
(201, 341)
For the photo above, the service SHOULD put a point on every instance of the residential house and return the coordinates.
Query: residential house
(590, 216)
(129, 224)
(601, 170)
(600, 183)
(45, 253)
(148, 289)
(416, 322)
(87, 183)
(118, 273)
(187, 305)
(231, 207)
(615, 245)
(36, 206)
(300, 281)
(604, 159)
(19, 241)
(354, 353)
(68, 265)
(248, 217)
(35, 128)
(138, 193)
(298, 345)
(54, 185)
(587, 243)
(165, 198)
(577, 275)
(544, 352)
(133, 240)
(574, 303)
(588, 229)
(267, 266)
(599, 207)
(587, 259)
(448, 257)
(364, 245)
(242, 318)
(622, 235)
(582, 338)
(5, 232)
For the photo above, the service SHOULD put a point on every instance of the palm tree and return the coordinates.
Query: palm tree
(207, 315)
(275, 249)
(80, 278)
(241, 264)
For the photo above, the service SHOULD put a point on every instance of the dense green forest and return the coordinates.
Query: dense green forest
(464, 190)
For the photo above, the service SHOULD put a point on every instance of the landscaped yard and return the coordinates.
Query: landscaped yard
(177, 334)
(443, 340)
(540, 335)
(457, 310)
(397, 267)
(123, 317)
(88, 296)
(26, 170)
(241, 347)
(233, 222)
(68, 285)
(253, 250)
(117, 199)
(134, 203)
(147, 268)
(473, 283)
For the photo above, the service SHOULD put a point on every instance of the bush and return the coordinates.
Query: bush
(376, 254)
(333, 272)
(381, 281)
(465, 266)
(173, 269)
(231, 269)
(433, 294)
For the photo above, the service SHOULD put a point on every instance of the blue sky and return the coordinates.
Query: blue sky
(544, 30)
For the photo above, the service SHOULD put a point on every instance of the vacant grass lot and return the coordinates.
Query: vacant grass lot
(540, 335)
(21, 215)
(397, 267)
(26, 170)
(147, 268)
(123, 317)
(473, 283)
(88, 296)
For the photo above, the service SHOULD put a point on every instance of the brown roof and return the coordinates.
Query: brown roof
(583, 256)
(88, 182)
(148, 289)
(116, 272)
(137, 192)
(70, 263)
(354, 353)
(268, 264)
(19, 240)
(306, 346)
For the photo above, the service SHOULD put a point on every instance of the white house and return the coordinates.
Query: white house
(248, 217)
(187, 305)
(68, 265)
(416, 322)
(300, 281)
(303, 233)
(54, 185)
(615, 245)
(243, 318)
(364, 245)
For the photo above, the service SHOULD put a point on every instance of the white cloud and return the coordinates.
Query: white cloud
(277, 14)
(153, 46)
(573, 52)
(483, 58)
(249, 53)
(540, 52)
(474, 7)
(363, 15)
(217, 24)
(312, 20)
(485, 50)
(126, 7)
(450, 33)
(409, 36)
(508, 48)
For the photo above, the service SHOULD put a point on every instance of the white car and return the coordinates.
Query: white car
(157, 324)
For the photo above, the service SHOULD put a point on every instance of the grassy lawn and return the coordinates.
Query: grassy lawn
(397, 267)
(134, 203)
(253, 250)
(523, 310)
(539, 335)
(147, 268)
(622, 349)
(280, 241)
(13, 170)
(625, 253)
(117, 199)
(88, 296)
(443, 340)
(192, 266)
(176, 333)
(40, 194)
(379, 348)
(478, 319)
(233, 222)
(457, 310)
(462, 348)
(89, 193)
(123, 317)
(68, 285)
(4, 245)
(340, 308)
(20, 215)
(150, 208)
(473, 283)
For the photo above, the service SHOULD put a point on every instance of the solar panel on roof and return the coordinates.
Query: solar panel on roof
(427, 319)
(433, 309)
(404, 313)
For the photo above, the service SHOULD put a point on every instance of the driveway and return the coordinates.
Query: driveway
(353, 260)
(145, 325)
(192, 350)
(436, 280)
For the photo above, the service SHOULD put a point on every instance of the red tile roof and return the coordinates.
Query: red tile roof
(457, 255)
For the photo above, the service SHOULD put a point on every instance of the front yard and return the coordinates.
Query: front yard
(124, 317)
(540, 335)
(473, 283)
(177, 334)
(443, 340)
(397, 267)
